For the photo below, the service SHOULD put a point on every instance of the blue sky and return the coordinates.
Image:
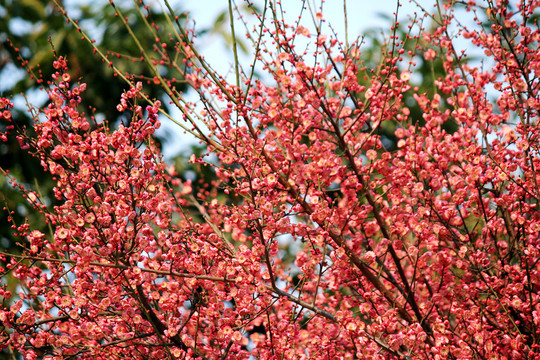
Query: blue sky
(361, 15)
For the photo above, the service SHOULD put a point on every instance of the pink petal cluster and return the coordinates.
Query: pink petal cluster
(326, 246)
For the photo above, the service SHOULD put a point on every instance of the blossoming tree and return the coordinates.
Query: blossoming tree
(314, 241)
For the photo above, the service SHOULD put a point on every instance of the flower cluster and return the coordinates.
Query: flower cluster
(314, 240)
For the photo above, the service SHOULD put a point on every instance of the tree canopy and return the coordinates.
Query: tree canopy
(370, 203)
